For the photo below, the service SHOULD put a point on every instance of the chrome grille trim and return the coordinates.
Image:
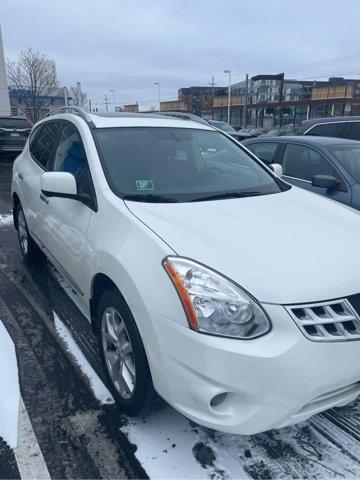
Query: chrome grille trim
(333, 320)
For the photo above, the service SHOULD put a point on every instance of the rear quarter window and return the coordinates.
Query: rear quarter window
(327, 130)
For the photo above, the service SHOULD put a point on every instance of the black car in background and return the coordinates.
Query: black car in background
(13, 134)
(324, 165)
(339, 127)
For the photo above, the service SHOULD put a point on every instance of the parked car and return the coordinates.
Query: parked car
(13, 134)
(324, 165)
(285, 130)
(339, 127)
(225, 127)
(207, 279)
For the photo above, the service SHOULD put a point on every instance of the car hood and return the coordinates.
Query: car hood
(289, 247)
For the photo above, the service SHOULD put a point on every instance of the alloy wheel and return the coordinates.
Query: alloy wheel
(118, 352)
(23, 233)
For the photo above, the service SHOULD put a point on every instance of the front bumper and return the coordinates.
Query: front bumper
(273, 381)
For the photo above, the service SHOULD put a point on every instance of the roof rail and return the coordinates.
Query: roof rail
(69, 109)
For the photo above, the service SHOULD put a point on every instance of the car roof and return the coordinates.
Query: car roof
(315, 121)
(130, 119)
(306, 139)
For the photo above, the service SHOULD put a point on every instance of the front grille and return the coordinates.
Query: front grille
(328, 321)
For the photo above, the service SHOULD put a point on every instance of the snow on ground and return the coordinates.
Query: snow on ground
(9, 389)
(100, 391)
(6, 219)
(169, 447)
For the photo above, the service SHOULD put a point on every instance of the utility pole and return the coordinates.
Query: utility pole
(158, 84)
(106, 102)
(78, 94)
(246, 100)
(66, 97)
(212, 84)
(90, 105)
(229, 95)
(113, 92)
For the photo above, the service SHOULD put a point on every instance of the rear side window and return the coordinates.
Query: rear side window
(44, 143)
(300, 161)
(33, 137)
(352, 131)
(265, 151)
(327, 130)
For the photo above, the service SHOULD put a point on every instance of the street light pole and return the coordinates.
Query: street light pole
(229, 95)
(113, 92)
(158, 84)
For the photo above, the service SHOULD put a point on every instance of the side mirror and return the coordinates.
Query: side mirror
(277, 169)
(325, 181)
(58, 184)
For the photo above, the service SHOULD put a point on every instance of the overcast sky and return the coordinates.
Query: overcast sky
(128, 45)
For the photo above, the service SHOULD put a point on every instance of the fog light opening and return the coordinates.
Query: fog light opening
(218, 399)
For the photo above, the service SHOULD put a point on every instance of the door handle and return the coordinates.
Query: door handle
(44, 198)
(21, 177)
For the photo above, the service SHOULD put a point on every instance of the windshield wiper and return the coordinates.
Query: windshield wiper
(221, 196)
(150, 197)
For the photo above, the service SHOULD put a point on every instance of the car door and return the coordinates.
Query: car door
(33, 164)
(301, 162)
(67, 220)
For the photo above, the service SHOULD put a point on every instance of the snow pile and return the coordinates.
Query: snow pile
(9, 389)
(101, 393)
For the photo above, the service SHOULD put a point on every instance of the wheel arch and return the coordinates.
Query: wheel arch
(16, 203)
(100, 284)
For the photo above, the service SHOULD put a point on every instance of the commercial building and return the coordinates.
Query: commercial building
(133, 107)
(199, 100)
(273, 100)
(19, 102)
(173, 106)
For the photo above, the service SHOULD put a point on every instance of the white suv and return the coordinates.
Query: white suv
(208, 280)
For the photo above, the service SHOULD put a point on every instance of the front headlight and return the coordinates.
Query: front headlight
(213, 304)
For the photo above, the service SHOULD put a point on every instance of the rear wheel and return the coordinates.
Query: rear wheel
(123, 356)
(29, 250)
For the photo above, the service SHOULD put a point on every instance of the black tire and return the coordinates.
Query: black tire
(143, 399)
(31, 254)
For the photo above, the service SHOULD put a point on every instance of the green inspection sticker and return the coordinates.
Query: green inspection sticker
(144, 185)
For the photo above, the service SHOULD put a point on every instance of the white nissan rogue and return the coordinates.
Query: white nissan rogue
(208, 280)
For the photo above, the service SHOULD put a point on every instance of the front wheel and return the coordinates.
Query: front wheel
(123, 356)
(29, 250)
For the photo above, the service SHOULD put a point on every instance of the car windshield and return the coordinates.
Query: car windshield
(14, 123)
(179, 165)
(223, 126)
(349, 157)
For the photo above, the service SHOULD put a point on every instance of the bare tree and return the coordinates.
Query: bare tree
(33, 77)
